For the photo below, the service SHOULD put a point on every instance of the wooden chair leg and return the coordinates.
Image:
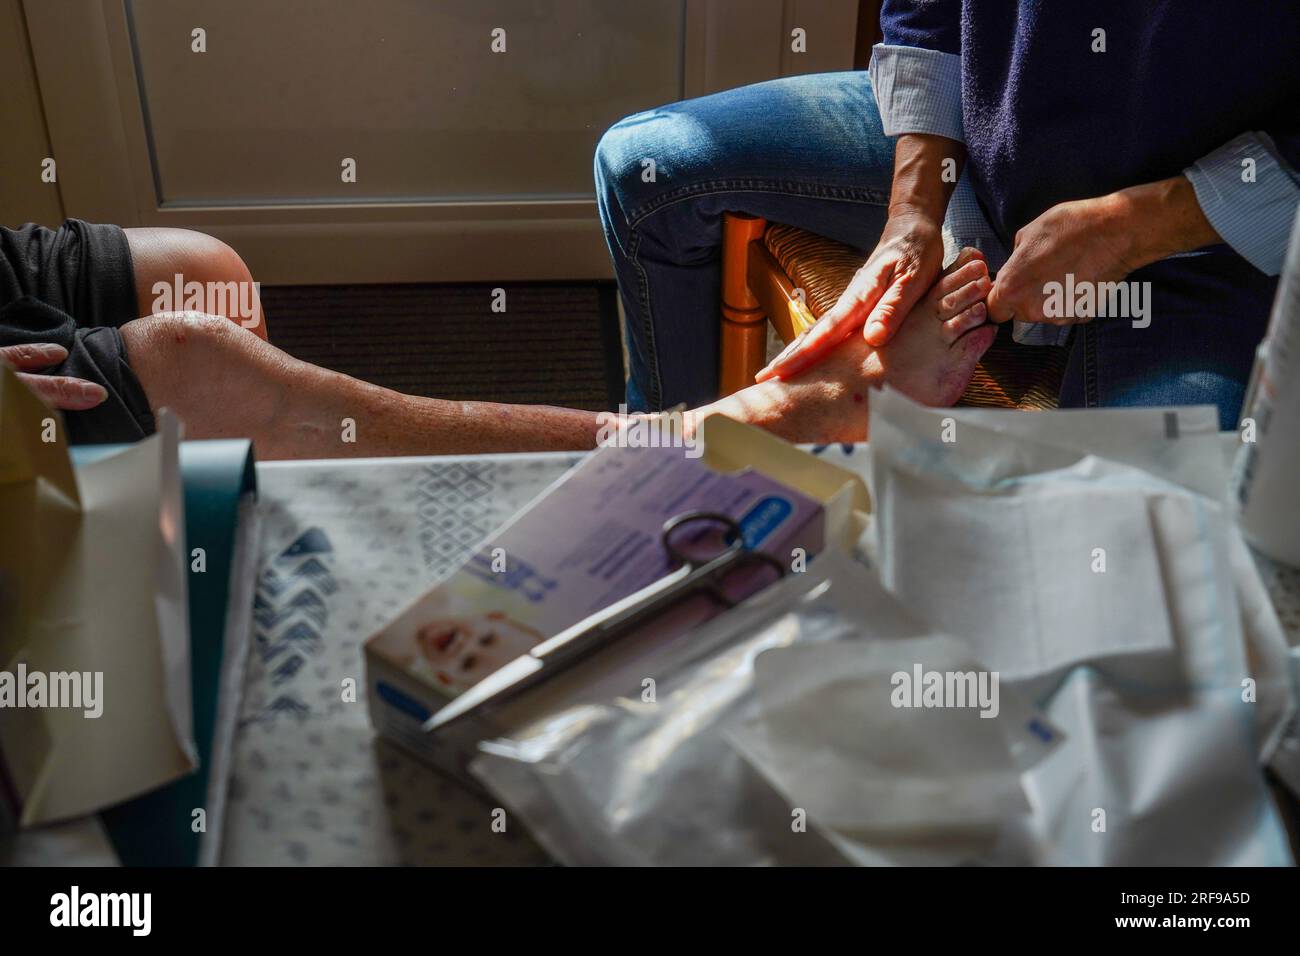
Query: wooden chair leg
(744, 326)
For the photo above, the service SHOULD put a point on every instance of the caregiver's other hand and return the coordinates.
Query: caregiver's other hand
(1096, 240)
(59, 391)
(905, 263)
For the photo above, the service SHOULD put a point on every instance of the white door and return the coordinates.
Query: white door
(382, 140)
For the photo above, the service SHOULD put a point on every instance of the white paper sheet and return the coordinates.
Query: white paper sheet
(1012, 572)
(1161, 761)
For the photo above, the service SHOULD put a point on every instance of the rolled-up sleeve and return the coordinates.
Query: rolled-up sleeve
(917, 90)
(1249, 193)
(916, 71)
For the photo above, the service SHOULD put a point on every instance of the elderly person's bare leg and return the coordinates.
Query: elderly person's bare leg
(225, 382)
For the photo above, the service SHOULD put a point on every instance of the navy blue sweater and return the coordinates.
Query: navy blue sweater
(1047, 120)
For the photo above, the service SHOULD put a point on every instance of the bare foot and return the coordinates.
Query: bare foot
(931, 360)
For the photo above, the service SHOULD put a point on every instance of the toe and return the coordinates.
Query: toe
(964, 255)
(960, 276)
(954, 301)
(965, 320)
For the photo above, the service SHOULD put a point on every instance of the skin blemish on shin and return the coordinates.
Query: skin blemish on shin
(857, 398)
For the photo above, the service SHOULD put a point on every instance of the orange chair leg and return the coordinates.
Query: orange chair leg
(744, 329)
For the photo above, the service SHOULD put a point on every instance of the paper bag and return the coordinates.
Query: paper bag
(94, 636)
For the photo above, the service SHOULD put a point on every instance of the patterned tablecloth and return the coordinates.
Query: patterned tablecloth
(345, 546)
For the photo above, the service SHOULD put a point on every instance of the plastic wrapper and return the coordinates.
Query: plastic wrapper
(694, 776)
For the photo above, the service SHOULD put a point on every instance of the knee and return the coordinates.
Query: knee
(189, 270)
(633, 158)
(208, 257)
(609, 169)
(187, 256)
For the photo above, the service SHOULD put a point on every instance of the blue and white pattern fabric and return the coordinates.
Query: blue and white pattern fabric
(917, 90)
(1250, 198)
(345, 546)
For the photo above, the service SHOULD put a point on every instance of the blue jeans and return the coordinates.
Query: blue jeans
(1208, 313)
(809, 151)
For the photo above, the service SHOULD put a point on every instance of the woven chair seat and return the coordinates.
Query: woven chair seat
(1010, 375)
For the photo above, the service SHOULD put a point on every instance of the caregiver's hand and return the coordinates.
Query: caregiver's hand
(1096, 240)
(901, 270)
(906, 261)
(59, 391)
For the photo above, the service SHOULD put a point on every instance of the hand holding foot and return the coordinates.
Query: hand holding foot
(931, 359)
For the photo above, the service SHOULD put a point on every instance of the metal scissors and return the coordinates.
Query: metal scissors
(707, 566)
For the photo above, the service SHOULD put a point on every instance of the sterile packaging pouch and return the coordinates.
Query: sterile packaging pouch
(689, 756)
(897, 739)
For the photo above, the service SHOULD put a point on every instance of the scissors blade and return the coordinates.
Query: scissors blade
(583, 638)
(559, 652)
(518, 671)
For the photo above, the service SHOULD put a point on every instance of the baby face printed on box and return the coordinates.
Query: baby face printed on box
(456, 653)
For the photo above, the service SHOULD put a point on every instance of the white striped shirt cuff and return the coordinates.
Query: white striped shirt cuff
(1254, 215)
(917, 90)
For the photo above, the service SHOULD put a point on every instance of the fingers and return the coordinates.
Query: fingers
(811, 347)
(1014, 295)
(69, 394)
(960, 289)
(998, 310)
(832, 328)
(31, 358)
(1008, 300)
(59, 391)
(888, 315)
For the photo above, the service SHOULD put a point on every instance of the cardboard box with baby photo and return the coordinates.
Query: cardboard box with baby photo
(591, 539)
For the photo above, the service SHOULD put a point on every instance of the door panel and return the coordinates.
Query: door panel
(411, 90)
(470, 165)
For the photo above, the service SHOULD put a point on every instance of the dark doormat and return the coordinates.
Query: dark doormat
(555, 343)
